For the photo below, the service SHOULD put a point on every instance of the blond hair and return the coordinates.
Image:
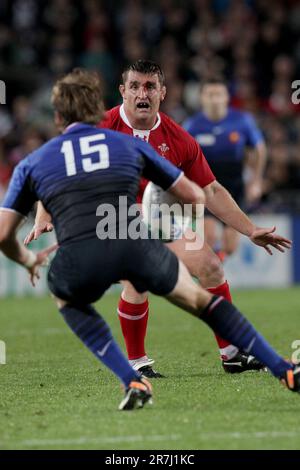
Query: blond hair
(77, 97)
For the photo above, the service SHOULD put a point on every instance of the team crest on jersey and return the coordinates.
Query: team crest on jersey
(234, 137)
(163, 149)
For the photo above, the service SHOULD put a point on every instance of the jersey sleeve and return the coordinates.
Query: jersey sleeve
(20, 196)
(253, 134)
(195, 165)
(158, 169)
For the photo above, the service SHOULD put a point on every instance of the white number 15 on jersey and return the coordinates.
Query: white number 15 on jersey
(88, 145)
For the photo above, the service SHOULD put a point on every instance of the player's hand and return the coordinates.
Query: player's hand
(41, 260)
(37, 230)
(254, 191)
(266, 238)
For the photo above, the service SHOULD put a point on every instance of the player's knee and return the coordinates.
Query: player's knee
(214, 273)
(129, 294)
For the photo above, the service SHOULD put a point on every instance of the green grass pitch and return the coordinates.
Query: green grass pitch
(55, 395)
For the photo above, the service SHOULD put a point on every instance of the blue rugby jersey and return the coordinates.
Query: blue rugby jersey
(223, 142)
(78, 170)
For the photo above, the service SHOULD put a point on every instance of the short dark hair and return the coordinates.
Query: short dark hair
(218, 80)
(78, 97)
(146, 67)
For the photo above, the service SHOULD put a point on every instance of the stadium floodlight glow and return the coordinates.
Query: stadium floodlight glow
(2, 92)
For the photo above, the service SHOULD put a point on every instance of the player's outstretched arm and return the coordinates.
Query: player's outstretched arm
(266, 237)
(41, 259)
(11, 248)
(42, 224)
(223, 206)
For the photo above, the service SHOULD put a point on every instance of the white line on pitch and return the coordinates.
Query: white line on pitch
(93, 440)
(247, 435)
(41, 332)
(155, 438)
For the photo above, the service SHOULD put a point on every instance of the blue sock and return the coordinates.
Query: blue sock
(228, 322)
(94, 332)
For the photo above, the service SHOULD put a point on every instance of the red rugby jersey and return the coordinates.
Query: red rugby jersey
(170, 140)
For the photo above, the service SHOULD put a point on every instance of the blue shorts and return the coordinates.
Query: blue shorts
(82, 271)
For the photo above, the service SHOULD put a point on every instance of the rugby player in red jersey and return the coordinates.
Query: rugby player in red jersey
(143, 89)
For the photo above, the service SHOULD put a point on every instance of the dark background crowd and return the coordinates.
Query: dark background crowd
(255, 44)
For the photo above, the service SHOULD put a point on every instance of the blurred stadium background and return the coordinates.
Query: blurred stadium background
(53, 394)
(254, 44)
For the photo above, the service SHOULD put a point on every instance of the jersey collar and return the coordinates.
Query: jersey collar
(70, 126)
(126, 120)
(75, 125)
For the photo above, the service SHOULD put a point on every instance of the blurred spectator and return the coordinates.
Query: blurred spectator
(30, 140)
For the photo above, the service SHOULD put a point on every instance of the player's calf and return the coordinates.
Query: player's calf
(96, 335)
(187, 294)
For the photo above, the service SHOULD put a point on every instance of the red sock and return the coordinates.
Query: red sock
(222, 289)
(134, 319)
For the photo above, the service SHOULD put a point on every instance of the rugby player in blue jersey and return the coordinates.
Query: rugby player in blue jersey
(80, 175)
(225, 135)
